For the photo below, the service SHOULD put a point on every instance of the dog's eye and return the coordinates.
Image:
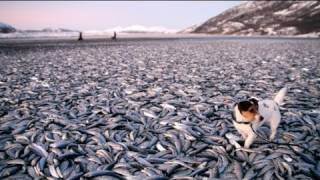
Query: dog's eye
(252, 110)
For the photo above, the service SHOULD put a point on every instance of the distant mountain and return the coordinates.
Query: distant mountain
(141, 29)
(49, 30)
(6, 28)
(57, 30)
(47, 33)
(266, 18)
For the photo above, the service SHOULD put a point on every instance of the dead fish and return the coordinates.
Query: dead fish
(250, 174)
(22, 139)
(143, 161)
(68, 155)
(9, 171)
(19, 130)
(168, 106)
(54, 172)
(154, 110)
(41, 163)
(288, 168)
(180, 163)
(268, 175)
(148, 113)
(39, 150)
(75, 176)
(61, 143)
(16, 162)
(103, 173)
(175, 140)
(160, 147)
(237, 170)
(199, 171)
(157, 178)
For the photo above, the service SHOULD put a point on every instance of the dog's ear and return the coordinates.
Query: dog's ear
(244, 106)
(254, 101)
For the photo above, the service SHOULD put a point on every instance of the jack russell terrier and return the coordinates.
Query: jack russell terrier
(251, 114)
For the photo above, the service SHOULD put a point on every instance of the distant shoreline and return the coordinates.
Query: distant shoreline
(135, 37)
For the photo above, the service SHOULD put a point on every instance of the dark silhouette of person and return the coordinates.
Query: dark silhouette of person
(80, 37)
(114, 37)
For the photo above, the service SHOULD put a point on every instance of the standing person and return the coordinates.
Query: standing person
(80, 37)
(114, 37)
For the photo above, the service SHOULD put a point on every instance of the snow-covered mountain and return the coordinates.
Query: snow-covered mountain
(57, 30)
(141, 29)
(266, 18)
(6, 28)
(47, 32)
(136, 30)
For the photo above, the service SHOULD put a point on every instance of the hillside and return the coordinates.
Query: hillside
(5, 28)
(266, 18)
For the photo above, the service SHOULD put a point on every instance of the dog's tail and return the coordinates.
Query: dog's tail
(280, 96)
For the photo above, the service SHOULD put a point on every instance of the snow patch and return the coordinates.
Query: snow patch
(288, 31)
(284, 12)
(141, 29)
(232, 26)
(303, 4)
(270, 31)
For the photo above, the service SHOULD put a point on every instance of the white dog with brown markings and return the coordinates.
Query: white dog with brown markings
(251, 114)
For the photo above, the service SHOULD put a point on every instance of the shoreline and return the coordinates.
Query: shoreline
(139, 37)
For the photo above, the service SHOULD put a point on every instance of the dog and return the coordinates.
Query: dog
(251, 114)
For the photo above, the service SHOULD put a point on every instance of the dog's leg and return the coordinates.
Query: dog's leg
(251, 137)
(244, 135)
(273, 134)
(273, 127)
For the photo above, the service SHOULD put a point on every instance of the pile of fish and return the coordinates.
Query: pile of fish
(156, 109)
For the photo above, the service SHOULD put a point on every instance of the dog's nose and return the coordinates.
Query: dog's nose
(261, 118)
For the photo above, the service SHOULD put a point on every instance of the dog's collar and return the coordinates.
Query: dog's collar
(239, 122)
(242, 122)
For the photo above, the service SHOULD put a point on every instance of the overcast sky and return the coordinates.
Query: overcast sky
(100, 15)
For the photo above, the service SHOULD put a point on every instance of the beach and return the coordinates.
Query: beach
(139, 108)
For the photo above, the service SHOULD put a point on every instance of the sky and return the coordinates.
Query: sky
(101, 15)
